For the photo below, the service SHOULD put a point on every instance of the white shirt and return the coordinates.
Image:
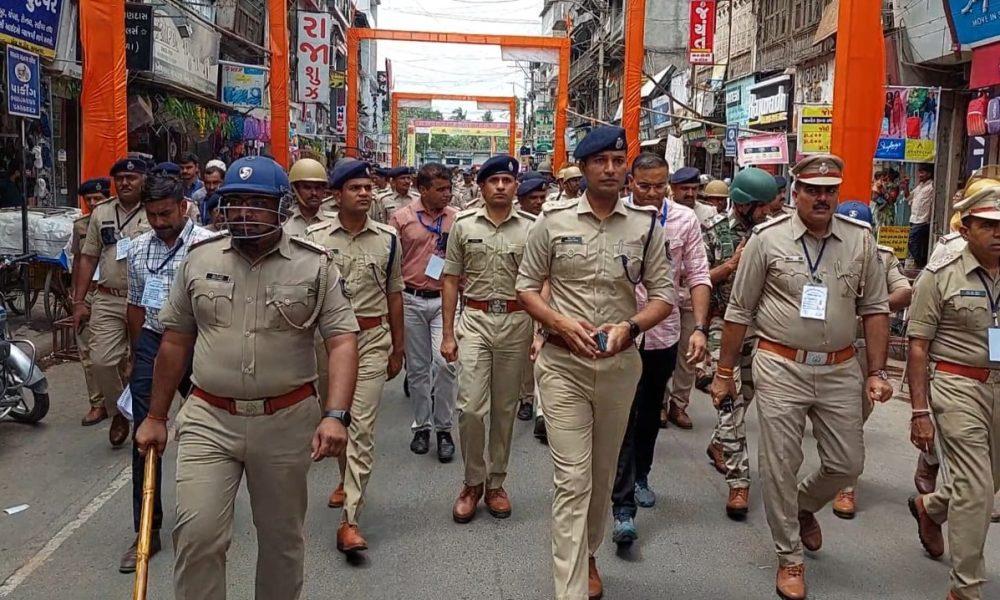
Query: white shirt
(921, 198)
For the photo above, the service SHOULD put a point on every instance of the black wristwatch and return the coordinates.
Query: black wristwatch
(634, 330)
(341, 415)
(702, 328)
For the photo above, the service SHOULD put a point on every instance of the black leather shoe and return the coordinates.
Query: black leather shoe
(525, 411)
(540, 430)
(406, 386)
(128, 559)
(421, 442)
(446, 447)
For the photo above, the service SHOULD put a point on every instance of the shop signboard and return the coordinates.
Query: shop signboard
(242, 86)
(768, 149)
(815, 129)
(770, 103)
(314, 54)
(31, 24)
(701, 32)
(660, 118)
(185, 50)
(24, 95)
(139, 37)
(973, 22)
(896, 237)
(732, 135)
(909, 124)
(738, 102)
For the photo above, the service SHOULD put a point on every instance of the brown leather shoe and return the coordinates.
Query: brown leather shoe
(790, 582)
(809, 531)
(844, 505)
(337, 497)
(679, 417)
(717, 457)
(738, 503)
(928, 531)
(925, 477)
(95, 415)
(349, 539)
(465, 506)
(498, 503)
(129, 559)
(119, 430)
(595, 588)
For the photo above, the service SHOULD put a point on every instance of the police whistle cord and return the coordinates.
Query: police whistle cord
(324, 278)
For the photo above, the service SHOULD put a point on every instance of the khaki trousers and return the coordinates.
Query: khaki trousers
(94, 395)
(730, 429)
(492, 349)
(967, 415)
(109, 347)
(681, 382)
(787, 394)
(214, 450)
(587, 405)
(527, 380)
(373, 357)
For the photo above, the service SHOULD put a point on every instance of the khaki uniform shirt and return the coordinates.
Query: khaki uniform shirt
(952, 243)
(487, 255)
(296, 224)
(593, 266)
(951, 308)
(383, 206)
(364, 262)
(109, 222)
(245, 347)
(80, 226)
(894, 278)
(767, 293)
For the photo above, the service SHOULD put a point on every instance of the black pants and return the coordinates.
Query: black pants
(919, 243)
(141, 385)
(636, 456)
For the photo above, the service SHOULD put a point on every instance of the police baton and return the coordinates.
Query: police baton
(145, 527)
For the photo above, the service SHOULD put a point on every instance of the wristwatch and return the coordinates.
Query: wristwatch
(341, 415)
(701, 328)
(634, 330)
(880, 373)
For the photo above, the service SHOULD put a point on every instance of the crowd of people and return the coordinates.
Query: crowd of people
(591, 300)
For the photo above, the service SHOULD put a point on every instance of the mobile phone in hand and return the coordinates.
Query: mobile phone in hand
(601, 337)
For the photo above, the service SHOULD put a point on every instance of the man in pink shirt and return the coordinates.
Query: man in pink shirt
(658, 347)
(423, 227)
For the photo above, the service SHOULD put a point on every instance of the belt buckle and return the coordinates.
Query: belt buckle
(250, 408)
(816, 359)
(498, 306)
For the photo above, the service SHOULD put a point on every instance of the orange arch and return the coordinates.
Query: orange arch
(510, 101)
(560, 44)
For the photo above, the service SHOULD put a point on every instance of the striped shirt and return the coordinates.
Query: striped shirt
(149, 258)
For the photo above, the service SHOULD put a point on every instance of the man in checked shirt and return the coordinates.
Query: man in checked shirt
(153, 258)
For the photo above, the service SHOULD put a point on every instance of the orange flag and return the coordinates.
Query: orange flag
(858, 94)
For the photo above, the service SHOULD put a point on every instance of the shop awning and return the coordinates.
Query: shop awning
(828, 24)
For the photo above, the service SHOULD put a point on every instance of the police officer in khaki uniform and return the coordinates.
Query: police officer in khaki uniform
(247, 304)
(593, 251)
(531, 195)
(92, 192)
(112, 226)
(367, 254)
(485, 248)
(400, 194)
(953, 322)
(900, 292)
(569, 181)
(309, 182)
(801, 278)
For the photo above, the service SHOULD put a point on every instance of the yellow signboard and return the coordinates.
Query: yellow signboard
(920, 150)
(465, 130)
(815, 126)
(896, 237)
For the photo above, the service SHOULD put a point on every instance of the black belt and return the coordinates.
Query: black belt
(423, 293)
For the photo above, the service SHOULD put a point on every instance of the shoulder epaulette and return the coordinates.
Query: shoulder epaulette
(318, 226)
(888, 249)
(331, 213)
(100, 202)
(310, 245)
(385, 228)
(213, 238)
(82, 217)
(527, 215)
(645, 209)
(771, 223)
(555, 205)
(944, 239)
(943, 261)
(466, 213)
(855, 222)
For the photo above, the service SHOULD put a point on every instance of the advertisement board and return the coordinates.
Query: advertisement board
(701, 33)
(770, 149)
(31, 24)
(909, 124)
(314, 55)
(815, 129)
(242, 85)
(973, 22)
(24, 97)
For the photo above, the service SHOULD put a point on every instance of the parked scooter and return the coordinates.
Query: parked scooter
(24, 389)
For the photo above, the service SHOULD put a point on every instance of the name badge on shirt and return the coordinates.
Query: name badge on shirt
(813, 302)
(121, 248)
(435, 266)
(154, 295)
(994, 343)
(97, 274)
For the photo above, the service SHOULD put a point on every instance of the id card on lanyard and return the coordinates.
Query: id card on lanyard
(993, 333)
(123, 243)
(814, 294)
(435, 263)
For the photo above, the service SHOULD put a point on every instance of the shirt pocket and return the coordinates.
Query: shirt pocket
(849, 277)
(628, 262)
(790, 277)
(971, 312)
(289, 303)
(373, 271)
(569, 262)
(511, 260)
(477, 259)
(213, 302)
